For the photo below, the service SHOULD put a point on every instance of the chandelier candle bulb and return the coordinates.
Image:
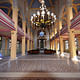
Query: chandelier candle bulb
(38, 13)
(34, 15)
(48, 13)
(52, 14)
(43, 12)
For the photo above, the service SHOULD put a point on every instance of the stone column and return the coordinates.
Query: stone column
(64, 44)
(72, 45)
(61, 39)
(31, 40)
(56, 46)
(61, 47)
(53, 45)
(30, 45)
(28, 41)
(6, 45)
(78, 43)
(23, 37)
(33, 44)
(49, 40)
(56, 41)
(50, 44)
(14, 33)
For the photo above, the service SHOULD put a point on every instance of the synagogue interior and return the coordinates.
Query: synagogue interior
(39, 39)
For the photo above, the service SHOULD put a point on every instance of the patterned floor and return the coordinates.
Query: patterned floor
(39, 64)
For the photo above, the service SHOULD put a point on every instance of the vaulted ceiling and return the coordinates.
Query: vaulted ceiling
(33, 5)
(76, 10)
(36, 3)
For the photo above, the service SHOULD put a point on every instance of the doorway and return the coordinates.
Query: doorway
(41, 44)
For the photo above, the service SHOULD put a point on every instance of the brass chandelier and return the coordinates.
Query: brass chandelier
(43, 18)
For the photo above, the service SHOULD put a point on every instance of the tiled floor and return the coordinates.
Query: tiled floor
(3, 60)
(40, 64)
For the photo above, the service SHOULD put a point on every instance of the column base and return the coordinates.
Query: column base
(23, 54)
(74, 59)
(62, 55)
(13, 58)
(57, 52)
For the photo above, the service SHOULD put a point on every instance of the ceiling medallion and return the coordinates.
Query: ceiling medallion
(43, 18)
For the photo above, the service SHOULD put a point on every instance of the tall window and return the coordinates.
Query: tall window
(66, 45)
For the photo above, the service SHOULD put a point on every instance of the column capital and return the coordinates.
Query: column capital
(13, 32)
(61, 37)
(15, 4)
(69, 3)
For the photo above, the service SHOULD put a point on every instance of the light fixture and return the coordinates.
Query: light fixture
(44, 17)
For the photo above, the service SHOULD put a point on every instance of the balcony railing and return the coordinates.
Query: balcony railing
(75, 22)
(6, 20)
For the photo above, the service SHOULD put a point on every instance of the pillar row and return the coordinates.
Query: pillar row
(78, 43)
(72, 45)
(53, 45)
(14, 34)
(56, 46)
(31, 41)
(61, 39)
(61, 47)
(28, 41)
(23, 38)
(6, 46)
